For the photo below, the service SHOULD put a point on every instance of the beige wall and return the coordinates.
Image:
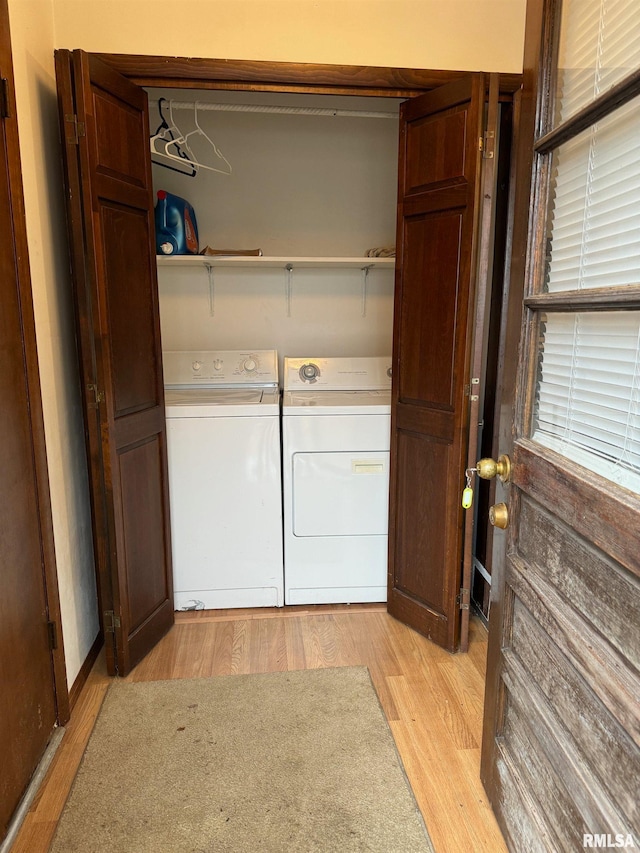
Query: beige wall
(484, 35)
(32, 40)
(445, 34)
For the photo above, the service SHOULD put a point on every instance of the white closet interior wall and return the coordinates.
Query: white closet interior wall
(301, 185)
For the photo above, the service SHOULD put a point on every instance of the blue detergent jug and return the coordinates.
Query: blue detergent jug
(176, 227)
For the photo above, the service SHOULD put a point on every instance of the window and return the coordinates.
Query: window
(587, 393)
(594, 206)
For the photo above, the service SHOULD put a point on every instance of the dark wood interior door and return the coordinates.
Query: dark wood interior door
(28, 709)
(110, 211)
(438, 208)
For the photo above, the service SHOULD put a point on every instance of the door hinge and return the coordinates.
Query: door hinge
(487, 144)
(474, 381)
(74, 129)
(4, 98)
(98, 396)
(111, 622)
(52, 631)
(467, 393)
(464, 599)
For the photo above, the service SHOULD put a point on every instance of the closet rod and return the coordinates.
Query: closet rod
(266, 108)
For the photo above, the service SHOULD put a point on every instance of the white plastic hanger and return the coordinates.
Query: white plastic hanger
(171, 143)
(164, 137)
(200, 132)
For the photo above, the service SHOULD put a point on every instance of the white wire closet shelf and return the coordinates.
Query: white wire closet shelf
(281, 262)
(204, 106)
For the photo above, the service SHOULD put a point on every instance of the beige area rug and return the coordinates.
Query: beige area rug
(293, 761)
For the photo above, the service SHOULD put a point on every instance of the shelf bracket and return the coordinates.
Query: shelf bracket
(289, 287)
(365, 276)
(209, 268)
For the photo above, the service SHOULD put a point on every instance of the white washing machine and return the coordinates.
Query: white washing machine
(335, 431)
(223, 447)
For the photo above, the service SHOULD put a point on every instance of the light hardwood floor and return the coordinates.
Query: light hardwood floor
(433, 701)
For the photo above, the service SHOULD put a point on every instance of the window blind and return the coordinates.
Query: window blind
(594, 206)
(587, 403)
(599, 46)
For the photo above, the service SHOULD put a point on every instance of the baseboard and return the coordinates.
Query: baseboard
(17, 819)
(85, 669)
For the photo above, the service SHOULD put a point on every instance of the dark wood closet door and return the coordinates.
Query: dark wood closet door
(110, 211)
(27, 700)
(434, 299)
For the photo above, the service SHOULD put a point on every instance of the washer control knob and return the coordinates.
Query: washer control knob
(250, 365)
(196, 365)
(217, 364)
(309, 372)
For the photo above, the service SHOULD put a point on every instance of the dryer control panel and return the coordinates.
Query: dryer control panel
(366, 373)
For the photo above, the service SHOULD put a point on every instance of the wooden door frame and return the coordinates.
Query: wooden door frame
(526, 105)
(259, 76)
(301, 78)
(285, 77)
(34, 390)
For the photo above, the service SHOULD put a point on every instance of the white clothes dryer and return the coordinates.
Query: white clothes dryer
(335, 432)
(223, 448)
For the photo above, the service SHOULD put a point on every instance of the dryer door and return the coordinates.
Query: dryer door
(340, 494)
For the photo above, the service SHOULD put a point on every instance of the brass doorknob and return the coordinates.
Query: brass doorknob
(488, 468)
(499, 516)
